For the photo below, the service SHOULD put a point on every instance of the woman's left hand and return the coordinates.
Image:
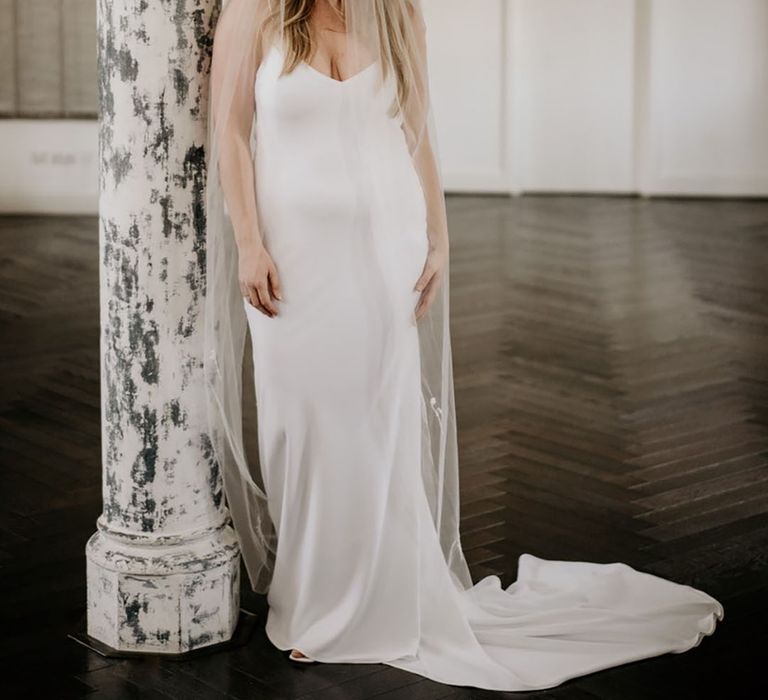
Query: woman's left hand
(431, 277)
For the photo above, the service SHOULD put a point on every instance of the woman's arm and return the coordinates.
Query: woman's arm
(426, 166)
(233, 100)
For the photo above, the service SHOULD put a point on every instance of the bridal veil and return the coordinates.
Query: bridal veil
(245, 29)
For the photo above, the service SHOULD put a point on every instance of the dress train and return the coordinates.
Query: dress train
(359, 572)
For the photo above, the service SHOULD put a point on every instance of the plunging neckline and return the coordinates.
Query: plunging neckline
(276, 46)
(352, 77)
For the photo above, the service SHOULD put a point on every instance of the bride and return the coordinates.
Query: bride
(327, 241)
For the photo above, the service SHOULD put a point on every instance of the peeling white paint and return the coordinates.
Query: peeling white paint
(163, 568)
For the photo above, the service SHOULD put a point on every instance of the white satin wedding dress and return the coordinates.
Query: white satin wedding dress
(359, 574)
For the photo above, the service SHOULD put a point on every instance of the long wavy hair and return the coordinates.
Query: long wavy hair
(397, 53)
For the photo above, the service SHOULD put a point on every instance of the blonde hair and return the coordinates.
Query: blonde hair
(397, 53)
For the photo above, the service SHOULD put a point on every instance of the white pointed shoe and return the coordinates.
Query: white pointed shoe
(301, 659)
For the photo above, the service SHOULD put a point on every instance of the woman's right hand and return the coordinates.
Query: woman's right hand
(259, 283)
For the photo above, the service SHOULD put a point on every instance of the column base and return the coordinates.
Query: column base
(242, 635)
(166, 595)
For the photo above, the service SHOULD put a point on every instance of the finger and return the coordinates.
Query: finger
(259, 307)
(421, 305)
(274, 284)
(265, 300)
(253, 298)
(424, 306)
(426, 299)
(426, 276)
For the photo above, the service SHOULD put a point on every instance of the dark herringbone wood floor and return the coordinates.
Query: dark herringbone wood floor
(612, 388)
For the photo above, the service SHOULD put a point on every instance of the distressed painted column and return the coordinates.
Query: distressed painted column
(163, 566)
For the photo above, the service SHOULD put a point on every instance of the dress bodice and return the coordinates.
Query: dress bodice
(331, 149)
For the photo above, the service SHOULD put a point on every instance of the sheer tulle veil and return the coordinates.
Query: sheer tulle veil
(246, 28)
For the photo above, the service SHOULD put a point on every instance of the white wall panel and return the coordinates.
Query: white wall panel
(574, 70)
(708, 97)
(468, 74)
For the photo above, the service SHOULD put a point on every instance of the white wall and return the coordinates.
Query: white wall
(574, 63)
(650, 96)
(707, 73)
(468, 76)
